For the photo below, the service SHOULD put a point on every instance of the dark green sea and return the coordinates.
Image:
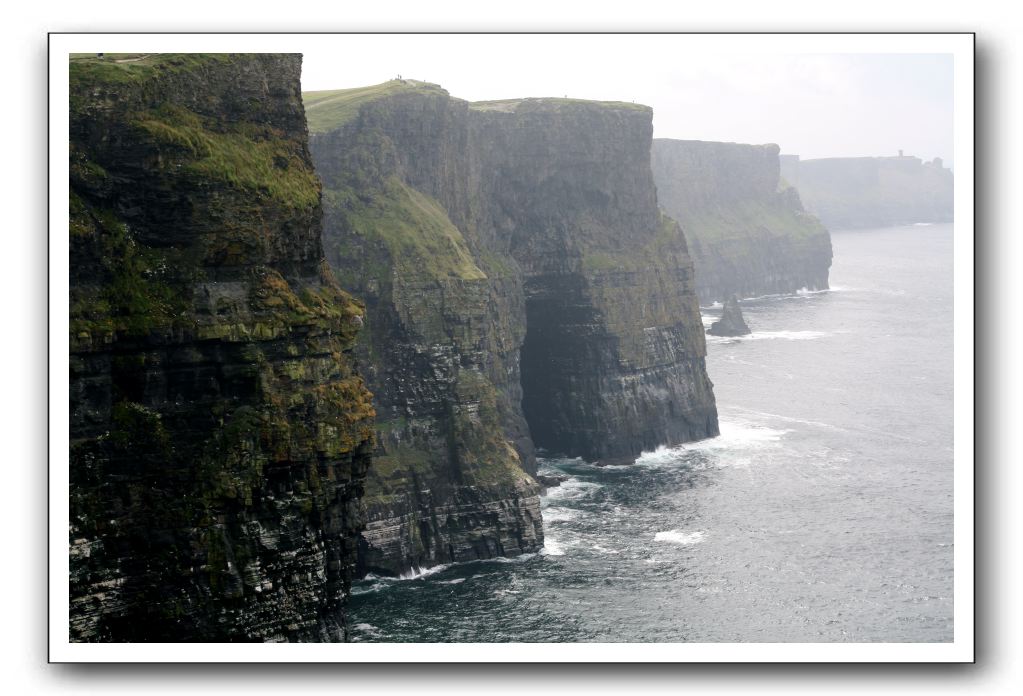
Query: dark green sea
(823, 512)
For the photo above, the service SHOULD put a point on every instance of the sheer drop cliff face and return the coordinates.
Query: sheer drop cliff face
(220, 434)
(851, 192)
(521, 287)
(748, 232)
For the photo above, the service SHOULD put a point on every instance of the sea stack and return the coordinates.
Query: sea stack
(731, 322)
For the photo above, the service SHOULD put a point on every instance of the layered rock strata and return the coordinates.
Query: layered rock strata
(515, 268)
(856, 192)
(220, 433)
(747, 230)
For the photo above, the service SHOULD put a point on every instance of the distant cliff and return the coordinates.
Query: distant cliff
(850, 192)
(521, 287)
(748, 232)
(219, 431)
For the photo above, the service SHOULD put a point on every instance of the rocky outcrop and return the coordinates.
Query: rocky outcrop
(220, 433)
(747, 230)
(731, 322)
(855, 192)
(515, 268)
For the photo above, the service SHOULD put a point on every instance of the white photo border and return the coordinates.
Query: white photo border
(961, 649)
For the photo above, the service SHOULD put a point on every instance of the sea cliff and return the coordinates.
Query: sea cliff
(855, 192)
(522, 290)
(748, 232)
(220, 433)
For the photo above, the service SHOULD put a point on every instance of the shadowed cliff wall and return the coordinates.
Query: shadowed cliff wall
(219, 431)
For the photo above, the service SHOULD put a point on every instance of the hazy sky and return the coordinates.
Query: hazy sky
(813, 105)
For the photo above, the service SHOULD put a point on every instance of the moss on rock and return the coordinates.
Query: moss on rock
(220, 430)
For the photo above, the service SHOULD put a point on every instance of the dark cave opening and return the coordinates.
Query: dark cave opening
(562, 360)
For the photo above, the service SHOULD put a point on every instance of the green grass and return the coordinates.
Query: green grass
(328, 110)
(740, 220)
(248, 156)
(113, 69)
(638, 255)
(414, 228)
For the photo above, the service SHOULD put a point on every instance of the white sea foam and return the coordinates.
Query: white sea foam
(418, 573)
(551, 547)
(572, 489)
(561, 514)
(734, 435)
(789, 419)
(769, 335)
(369, 630)
(675, 536)
(456, 581)
(506, 559)
(553, 463)
(740, 434)
(660, 456)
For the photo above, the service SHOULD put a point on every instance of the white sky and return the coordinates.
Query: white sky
(811, 104)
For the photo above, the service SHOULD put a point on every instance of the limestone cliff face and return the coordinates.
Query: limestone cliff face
(851, 192)
(748, 232)
(613, 359)
(515, 266)
(220, 434)
(452, 475)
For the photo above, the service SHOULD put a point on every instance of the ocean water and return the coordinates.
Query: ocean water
(823, 512)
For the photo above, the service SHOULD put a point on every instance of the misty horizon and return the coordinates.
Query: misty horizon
(812, 105)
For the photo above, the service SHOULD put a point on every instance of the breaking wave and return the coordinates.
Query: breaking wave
(675, 536)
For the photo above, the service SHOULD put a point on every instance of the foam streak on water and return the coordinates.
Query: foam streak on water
(823, 512)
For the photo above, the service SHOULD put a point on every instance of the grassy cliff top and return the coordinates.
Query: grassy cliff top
(159, 98)
(329, 109)
(551, 103)
(90, 69)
